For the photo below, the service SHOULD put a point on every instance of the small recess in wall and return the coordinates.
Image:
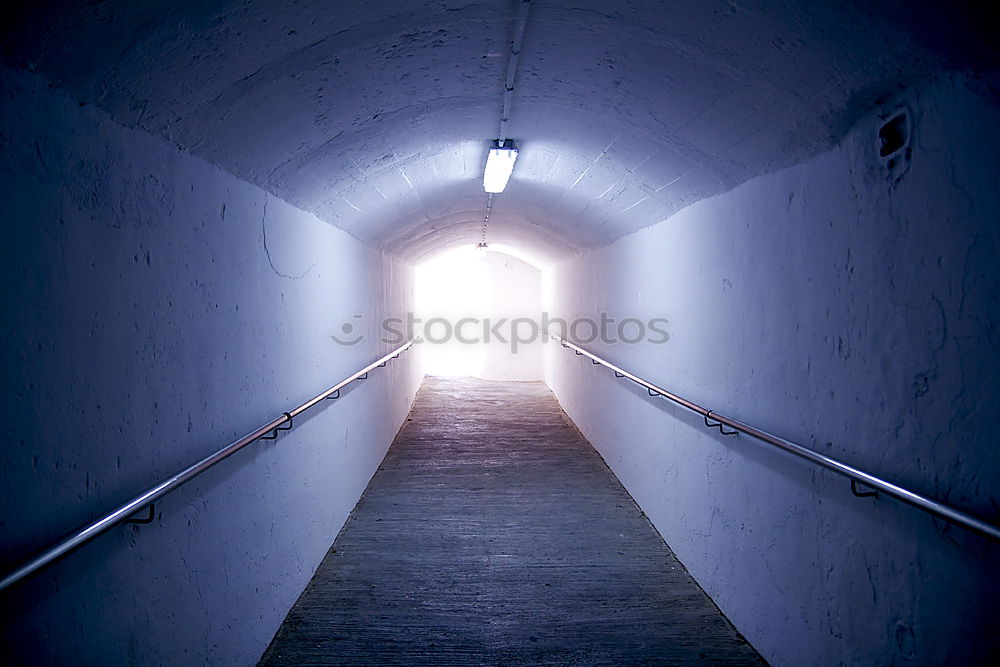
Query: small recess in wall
(894, 143)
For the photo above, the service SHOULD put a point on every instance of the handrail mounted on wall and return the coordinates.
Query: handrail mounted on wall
(716, 420)
(122, 514)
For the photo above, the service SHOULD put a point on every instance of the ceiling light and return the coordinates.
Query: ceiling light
(482, 247)
(499, 166)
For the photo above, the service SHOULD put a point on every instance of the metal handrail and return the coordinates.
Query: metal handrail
(268, 431)
(930, 505)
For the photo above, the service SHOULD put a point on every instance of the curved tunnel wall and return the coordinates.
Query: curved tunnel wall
(376, 117)
(159, 308)
(845, 304)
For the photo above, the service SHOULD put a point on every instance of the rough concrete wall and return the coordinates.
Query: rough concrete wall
(156, 308)
(850, 305)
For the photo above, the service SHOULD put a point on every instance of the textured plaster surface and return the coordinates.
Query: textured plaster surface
(849, 311)
(376, 116)
(155, 309)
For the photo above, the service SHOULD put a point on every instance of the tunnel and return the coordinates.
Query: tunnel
(708, 376)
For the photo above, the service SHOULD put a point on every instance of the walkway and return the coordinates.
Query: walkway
(493, 534)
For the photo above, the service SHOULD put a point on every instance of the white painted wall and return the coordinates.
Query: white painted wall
(500, 297)
(517, 298)
(857, 317)
(157, 309)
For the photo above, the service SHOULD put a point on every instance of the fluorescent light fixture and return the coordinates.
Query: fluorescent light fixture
(499, 166)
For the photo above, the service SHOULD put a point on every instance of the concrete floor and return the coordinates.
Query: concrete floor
(494, 534)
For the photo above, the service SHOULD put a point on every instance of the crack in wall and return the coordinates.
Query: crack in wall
(267, 250)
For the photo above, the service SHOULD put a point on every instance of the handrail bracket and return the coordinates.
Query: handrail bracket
(274, 434)
(861, 494)
(149, 516)
(718, 425)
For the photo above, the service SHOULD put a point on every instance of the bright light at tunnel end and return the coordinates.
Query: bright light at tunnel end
(499, 166)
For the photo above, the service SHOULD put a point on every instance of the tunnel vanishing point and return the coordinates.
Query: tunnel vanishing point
(216, 455)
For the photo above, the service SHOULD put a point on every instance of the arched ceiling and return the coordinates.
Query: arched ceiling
(376, 115)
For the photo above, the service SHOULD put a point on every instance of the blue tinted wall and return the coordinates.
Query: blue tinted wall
(849, 303)
(158, 308)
